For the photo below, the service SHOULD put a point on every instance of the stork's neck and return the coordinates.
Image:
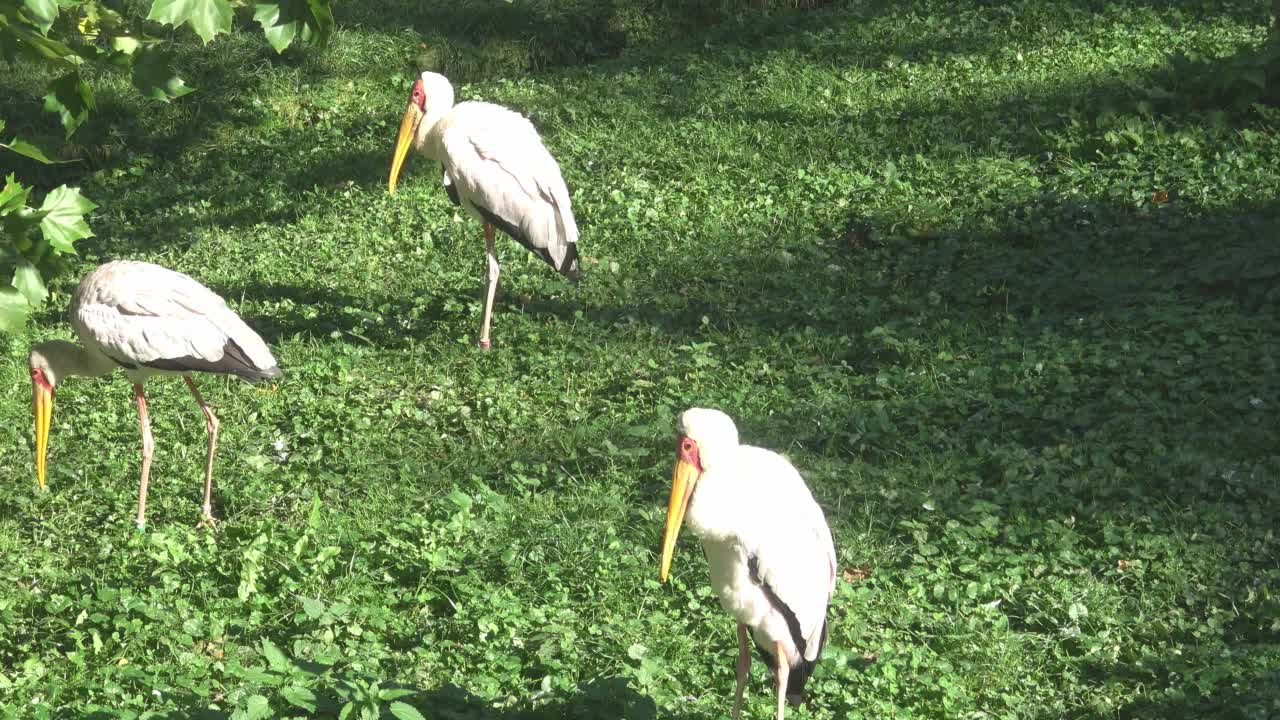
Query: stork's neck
(65, 359)
(719, 502)
(431, 129)
(430, 143)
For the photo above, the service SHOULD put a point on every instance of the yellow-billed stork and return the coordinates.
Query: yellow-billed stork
(496, 167)
(767, 543)
(147, 320)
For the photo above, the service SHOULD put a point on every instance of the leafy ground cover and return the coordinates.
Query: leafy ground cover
(1000, 278)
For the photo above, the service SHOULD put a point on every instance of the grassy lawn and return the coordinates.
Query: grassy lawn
(1001, 279)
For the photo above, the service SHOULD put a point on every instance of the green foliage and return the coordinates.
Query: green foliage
(1011, 312)
(100, 36)
(79, 38)
(33, 241)
(206, 17)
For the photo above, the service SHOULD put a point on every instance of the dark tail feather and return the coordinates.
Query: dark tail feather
(234, 361)
(799, 675)
(271, 373)
(569, 268)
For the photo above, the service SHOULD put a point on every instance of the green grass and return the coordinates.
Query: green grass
(920, 247)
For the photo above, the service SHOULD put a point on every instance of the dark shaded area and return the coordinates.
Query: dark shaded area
(1250, 695)
(607, 698)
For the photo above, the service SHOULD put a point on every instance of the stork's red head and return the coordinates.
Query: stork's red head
(705, 435)
(419, 95)
(688, 452)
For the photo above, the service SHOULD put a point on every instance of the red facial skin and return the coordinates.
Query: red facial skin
(689, 453)
(419, 96)
(38, 378)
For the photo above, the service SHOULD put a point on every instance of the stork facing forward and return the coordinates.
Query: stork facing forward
(496, 167)
(147, 320)
(768, 546)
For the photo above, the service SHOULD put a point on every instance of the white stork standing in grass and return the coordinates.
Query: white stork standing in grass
(767, 543)
(496, 167)
(147, 320)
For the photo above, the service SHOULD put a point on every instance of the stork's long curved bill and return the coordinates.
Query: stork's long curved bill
(408, 125)
(683, 477)
(42, 406)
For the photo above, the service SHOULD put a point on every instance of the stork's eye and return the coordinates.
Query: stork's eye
(686, 445)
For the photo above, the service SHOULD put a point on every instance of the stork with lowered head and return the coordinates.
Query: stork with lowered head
(147, 320)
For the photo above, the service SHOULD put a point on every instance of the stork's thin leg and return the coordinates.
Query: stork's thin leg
(144, 422)
(744, 668)
(211, 426)
(784, 668)
(493, 285)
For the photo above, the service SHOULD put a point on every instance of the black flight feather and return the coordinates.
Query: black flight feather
(234, 361)
(799, 673)
(569, 268)
(449, 189)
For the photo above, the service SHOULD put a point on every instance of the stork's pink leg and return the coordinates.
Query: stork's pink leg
(147, 448)
(784, 669)
(744, 668)
(493, 285)
(211, 426)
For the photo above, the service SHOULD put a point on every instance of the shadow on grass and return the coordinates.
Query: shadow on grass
(608, 698)
(1252, 692)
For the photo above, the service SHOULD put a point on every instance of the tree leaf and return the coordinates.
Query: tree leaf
(64, 222)
(405, 711)
(72, 99)
(27, 280)
(154, 77)
(299, 696)
(43, 12)
(35, 152)
(14, 195)
(126, 44)
(275, 22)
(33, 43)
(13, 310)
(284, 20)
(322, 25)
(208, 18)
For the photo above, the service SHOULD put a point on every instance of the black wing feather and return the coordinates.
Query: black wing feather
(449, 189)
(570, 266)
(800, 672)
(234, 361)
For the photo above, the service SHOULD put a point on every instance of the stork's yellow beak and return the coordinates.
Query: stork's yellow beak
(42, 406)
(408, 126)
(683, 478)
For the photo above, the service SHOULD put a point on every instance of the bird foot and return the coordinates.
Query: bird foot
(207, 521)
